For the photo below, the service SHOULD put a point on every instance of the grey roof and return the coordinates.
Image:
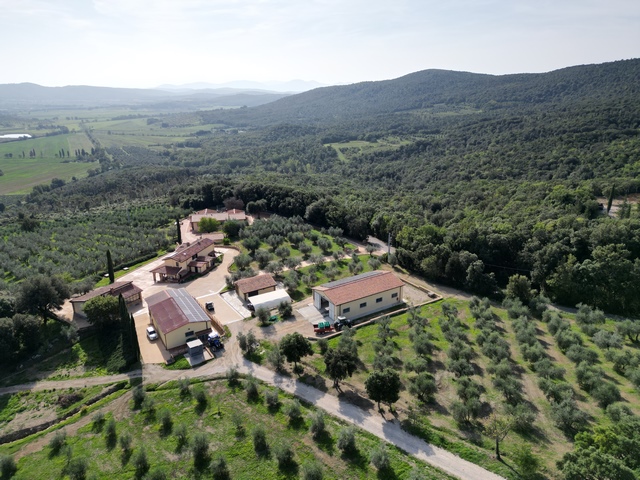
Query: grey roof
(355, 278)
(188, 305)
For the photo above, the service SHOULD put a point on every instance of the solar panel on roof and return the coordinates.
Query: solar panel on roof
(188, 305)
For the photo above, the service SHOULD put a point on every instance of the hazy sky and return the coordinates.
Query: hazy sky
(145, 43)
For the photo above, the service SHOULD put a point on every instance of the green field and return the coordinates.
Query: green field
(22, 174)
(226, 419)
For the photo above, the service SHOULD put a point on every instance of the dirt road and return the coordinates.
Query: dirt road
(369, 420)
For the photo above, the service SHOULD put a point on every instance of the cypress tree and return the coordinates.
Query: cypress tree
(178, 230)
(112, 276)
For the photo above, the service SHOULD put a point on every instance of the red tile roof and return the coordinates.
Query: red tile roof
(171, 309)
(370, 283)
(126, 289)
(253, 284)
(185, 252)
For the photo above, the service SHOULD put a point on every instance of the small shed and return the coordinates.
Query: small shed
(270, 300)
(195, 347)
(252, 286)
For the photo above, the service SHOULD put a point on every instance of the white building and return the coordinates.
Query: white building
(360, 295)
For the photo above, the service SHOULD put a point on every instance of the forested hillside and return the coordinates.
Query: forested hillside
(476, 177)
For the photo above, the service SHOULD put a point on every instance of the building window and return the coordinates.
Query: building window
(177, 264)
(363, 304)
(189, 334)
(346, 310)
(394, 295)
(379, 300)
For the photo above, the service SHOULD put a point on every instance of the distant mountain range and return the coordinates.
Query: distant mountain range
(28, 95)
(292, 86)
(443, 89)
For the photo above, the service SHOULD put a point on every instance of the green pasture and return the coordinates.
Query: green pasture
(22, 174)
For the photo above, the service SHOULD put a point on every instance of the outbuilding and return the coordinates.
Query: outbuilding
(269, 300)
(360, 295)
(252, 286)
(178, 317)
(130, 293)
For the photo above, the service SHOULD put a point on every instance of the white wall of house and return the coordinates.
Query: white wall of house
(178, 337)
(368, 305)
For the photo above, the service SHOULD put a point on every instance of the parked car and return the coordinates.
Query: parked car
(209, 306)
(152, 334)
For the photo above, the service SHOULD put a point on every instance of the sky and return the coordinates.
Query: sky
(146, 43)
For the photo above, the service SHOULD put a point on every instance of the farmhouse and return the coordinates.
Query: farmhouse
(249, 287)
(177, 317)
(130, 293)
(359, 295)
(188, 258)
(222, 217)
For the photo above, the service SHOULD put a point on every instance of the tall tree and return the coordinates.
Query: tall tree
(112, 275)
(294, 346)
(41, 295)
(383, 386)
(102, 311)
(178, 231)
(340, 363)
(497, 428)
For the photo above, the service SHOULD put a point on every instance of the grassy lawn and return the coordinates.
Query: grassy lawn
(215, 419)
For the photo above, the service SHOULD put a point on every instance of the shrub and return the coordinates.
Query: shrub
(312, 471)
(260, 444)
(323, 345)
(618, 410)
(166, 423)
(97, 422)
(158, 474)
(141, 463)
(110, 433)
(200, 450)
(77, 468)
(523, 417)
(293, 410)
(237, 419)
(272, 399)
(283, 453)
(57, 442)
(578, 354)
(347, 440)
(8, 467)
(251, 387)
(183, 385)
(201, 398)
(232, 374)
(182, 436)
(606, 394)
(276, 358)
(139, 396)
(380, 457)
(219, 468)
(317, 427)
(125, 442)
(528, 464)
